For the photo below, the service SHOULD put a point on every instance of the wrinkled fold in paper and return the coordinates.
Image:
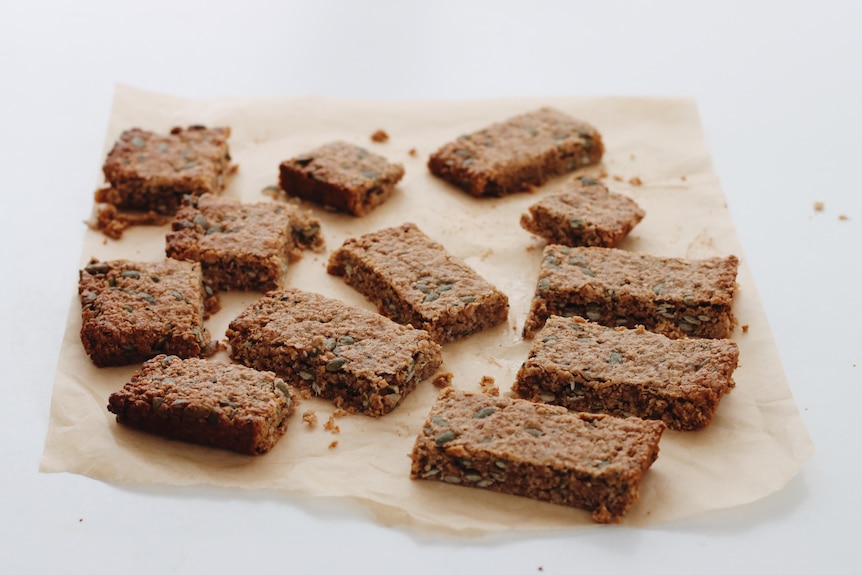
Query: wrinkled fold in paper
(755, 445)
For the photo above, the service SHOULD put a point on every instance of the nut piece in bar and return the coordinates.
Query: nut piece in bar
(672, 296)
(360, 360)
(518, 154)
(585, 214)
(210, 403)
(242, 246)
(413, 280)
(151, 172)
(590, 461)
(132, 311)
(584, 366)
(341, 176)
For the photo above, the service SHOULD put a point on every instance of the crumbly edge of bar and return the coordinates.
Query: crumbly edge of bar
(182, 404)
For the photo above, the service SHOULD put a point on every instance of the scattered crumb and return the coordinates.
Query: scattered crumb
(412, 152)
(112, 222)
(532, 247)
(334, 444)
(305, 393)
(618, 179)
(80, 520)
(488, 386)
(380, 136)
(843, 217)
(443, 380)
(632, 157)
(309, 418)
(636, 181)
(339, 413)
(330, 425)
(818, 206)
(272, 191)
(603, 174)
(541, 568)
(683, 178)
(745, 328)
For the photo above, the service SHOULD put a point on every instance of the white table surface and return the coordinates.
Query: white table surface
(779, 86)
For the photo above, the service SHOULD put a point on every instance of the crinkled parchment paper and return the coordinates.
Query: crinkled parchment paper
(755, 445)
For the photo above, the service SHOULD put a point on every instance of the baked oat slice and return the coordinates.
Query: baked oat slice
(341, 176)
(673, 296)
(587, 367)
(360, 360)
(216, 404)
(153, 172)
(590, 461)
(518, 154)
(584, 214)
(132, 311)
(413, 280)
(242, 246)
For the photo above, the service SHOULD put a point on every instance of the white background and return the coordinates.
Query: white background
(779, 86)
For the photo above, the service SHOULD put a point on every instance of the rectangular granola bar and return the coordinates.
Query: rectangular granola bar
(584, 366)
(591, 461)
(147, 171)
(216, 404)
(341, 176)
(413, 280)
(672, 296)
(584, 214)
(517, 154)
(242, 246)
(355, 357)
(132, 311)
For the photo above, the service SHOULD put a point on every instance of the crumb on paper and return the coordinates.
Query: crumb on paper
(843, 217)
(112, 222)
(309, 418)
(818, 206)
(632, 157)
(618, 178)
(412, 152)
(443, 379)
(305, 393)
(635, 181)
(380, 136)
(272, 191)
(80, 520)
(683, 178)
(745, 328)
(334, 444)
(487, 383)
(330, 425)
(340, 413)
(603, 174)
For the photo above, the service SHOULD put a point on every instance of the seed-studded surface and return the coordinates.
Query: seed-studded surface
(413, 280)
(592, 461)
(672, 296)
(242, 246)
(585, 214)
(341, 176)
(216, 404)
(584, 366)
(147, 171)
(515, 155)
(357, 358)
(132, 311)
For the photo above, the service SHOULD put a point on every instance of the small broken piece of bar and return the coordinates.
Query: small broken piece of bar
(150, 172)
(341, 176)
(360, 360)
(672, 296)
(216, 404)
(413, 280)
(590, 461)
(518, 154)
(132, 311)
(242, 246)
(584, 366)
(585, 214)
